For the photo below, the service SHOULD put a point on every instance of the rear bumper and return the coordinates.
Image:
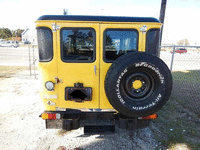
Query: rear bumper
(92, 121)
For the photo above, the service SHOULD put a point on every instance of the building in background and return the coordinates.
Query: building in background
(29, 36)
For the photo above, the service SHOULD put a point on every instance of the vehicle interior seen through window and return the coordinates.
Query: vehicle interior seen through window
(118, 42)
(78, 44)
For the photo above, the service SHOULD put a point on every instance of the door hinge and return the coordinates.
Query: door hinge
(143, 29)
(55, 27)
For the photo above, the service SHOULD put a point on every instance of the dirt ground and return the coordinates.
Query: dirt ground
(22, 129)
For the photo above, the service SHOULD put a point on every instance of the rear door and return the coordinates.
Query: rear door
(78, 62)
(115, 40)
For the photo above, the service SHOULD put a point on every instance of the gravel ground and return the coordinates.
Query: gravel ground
(21, 128)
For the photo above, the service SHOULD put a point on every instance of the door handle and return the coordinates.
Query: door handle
(95, 69)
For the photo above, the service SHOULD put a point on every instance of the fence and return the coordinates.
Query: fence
(179, 119)
(185, 68)
(19, 62)
(32, 60)
(195, 50)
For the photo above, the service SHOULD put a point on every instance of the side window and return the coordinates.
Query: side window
(45, 44)
(78, 44)
(118, 42)
(152, 41)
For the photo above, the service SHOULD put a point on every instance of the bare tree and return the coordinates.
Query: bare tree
(184, 42)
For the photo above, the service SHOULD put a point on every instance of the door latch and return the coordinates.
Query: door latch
(57, 80)
(95, 69)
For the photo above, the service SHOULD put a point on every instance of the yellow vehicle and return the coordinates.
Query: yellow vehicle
(100, 65)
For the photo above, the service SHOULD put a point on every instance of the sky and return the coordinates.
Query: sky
(181, 17)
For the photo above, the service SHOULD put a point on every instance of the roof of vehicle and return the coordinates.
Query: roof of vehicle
(98, 18)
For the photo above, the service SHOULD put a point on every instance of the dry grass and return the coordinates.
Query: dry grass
(11, 71)
(8, 71)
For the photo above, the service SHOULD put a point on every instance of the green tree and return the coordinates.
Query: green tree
(17, 33)
(5, 33)
(108, 40)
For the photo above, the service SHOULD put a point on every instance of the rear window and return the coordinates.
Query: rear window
(118, 42)
(78, 44)
(45, 44)
(152, 41)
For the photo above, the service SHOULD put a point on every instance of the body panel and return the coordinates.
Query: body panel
(73, 72)
(91, 74)
(48, 71)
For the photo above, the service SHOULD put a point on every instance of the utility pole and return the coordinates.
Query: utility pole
(162, 17)
(65, 11)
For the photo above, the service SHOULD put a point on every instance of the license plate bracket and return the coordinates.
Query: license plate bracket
(78, 94)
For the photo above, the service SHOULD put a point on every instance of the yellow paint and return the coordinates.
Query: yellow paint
(137, 84)
(71, 73)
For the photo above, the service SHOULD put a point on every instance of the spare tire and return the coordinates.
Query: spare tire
(138, 84)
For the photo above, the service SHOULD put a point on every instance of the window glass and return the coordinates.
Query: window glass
(118, 42)
(78, 44)
(45, 44)
(152, 41)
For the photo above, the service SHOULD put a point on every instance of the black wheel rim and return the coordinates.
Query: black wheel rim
(140, 92)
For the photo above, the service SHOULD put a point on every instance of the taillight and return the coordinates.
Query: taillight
(50, 116)
(153, 116)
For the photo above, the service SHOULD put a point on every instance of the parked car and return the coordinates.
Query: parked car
(1, 42)
(6, 44)
(27, 42)
(15, 44)
(180, 51)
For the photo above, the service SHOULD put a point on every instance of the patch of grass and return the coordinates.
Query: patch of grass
(187, 76)
(178, 121)
(186, 89)
(177, 125)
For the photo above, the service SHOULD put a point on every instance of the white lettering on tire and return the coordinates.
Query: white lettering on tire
(117, 86)
(150, 66)
(149, 105)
